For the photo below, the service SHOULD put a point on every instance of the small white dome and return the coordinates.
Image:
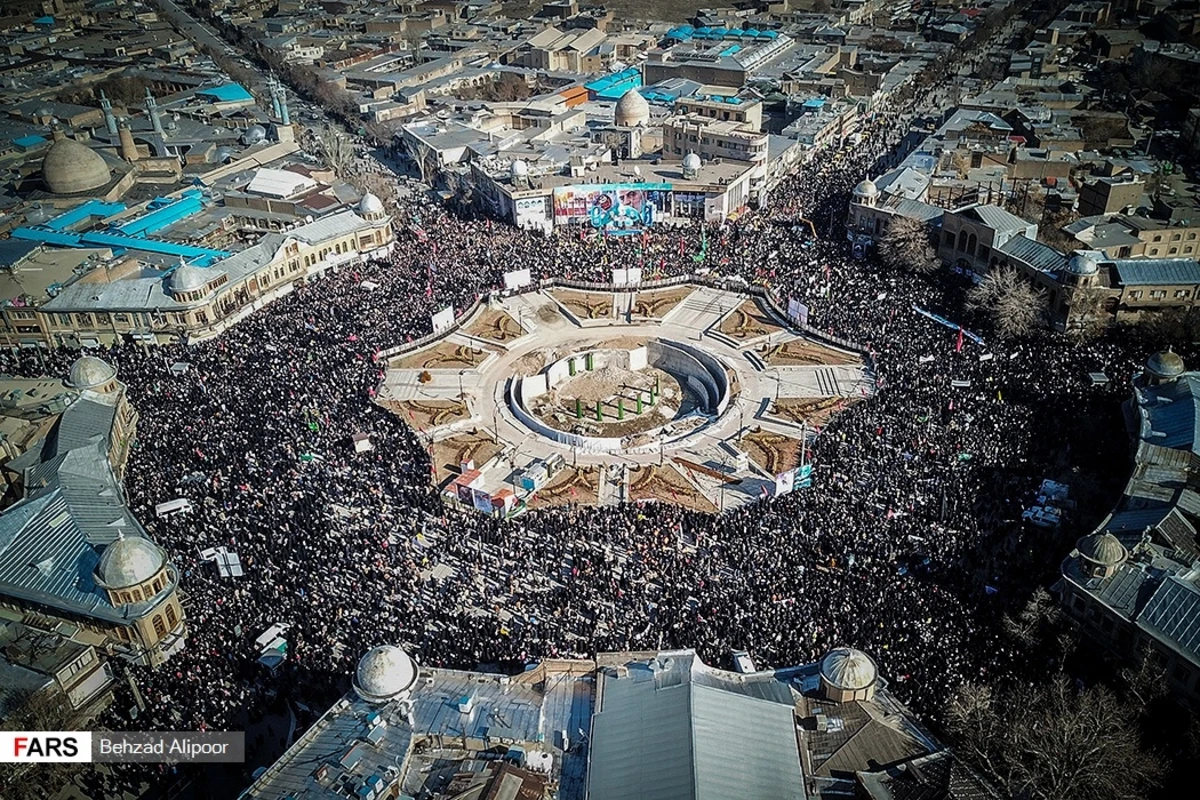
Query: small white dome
(1082, 264)
(88, 372)
(848, 669)
(129, 561)
(254, 134)
(866, 189)
(384, 673)
(632, 109)
(519, 169)
(691, 161)
(370, 205)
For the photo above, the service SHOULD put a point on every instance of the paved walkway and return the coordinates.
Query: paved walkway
(551, 335)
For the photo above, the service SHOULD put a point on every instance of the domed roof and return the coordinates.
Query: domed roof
(1165, 364)
(1102, 548)
(187, 278)
(129, 561)
(632, 109)
(370, 205)
(849, 669)
(384, 673)
(518, 169)
(691, 161)
(88, 372)
(1082, 264)
(866, 189)
(70, 168)
(254, 134)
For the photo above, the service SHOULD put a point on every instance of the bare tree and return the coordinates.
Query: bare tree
(908, 243)
(1047, 741)
(337, 149)
(1087, 315)
(45, 710)
(1014, 305)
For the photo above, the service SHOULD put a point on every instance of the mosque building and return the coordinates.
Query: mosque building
(624, 725)
(78, 572)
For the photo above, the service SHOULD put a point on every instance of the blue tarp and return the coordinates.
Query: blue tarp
(200, 256)
(29, 142)
(227, 93)
(92, 208)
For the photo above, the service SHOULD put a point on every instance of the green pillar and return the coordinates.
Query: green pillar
(599, 412)
(578, 408)
(620, 408)
(639, 404)
(588, 362)
(571, 366)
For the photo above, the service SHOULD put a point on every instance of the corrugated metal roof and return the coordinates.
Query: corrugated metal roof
(1037, 255)
(1157, 271)
(1174, 612)
(996, 218)
(671, 737)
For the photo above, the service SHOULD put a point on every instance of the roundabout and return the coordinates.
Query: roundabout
(688, 394)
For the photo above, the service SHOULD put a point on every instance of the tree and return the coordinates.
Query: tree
(1087, 315)
(908, 243)
(1047, 741)
(1012, 304)
(336, 147)
(45, 710)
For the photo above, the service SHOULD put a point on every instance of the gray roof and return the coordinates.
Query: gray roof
(52, 540)
(1037, 255)
(1173, 613)
(1157, 271)
(996, 218)
(669, 737)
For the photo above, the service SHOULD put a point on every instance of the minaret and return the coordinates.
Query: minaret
(128, 148)
(110, 121)
(284, 117)
(283, 131)
(273, 90)
(152, 112)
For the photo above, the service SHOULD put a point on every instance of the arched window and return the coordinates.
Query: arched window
(962, 240)
(159, 628)
(971, 242)
(171, 616)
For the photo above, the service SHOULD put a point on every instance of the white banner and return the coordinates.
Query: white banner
(443, 319)
(620, 277)
(797, 311)
(785, 482)
(517, 278)
(633, 276)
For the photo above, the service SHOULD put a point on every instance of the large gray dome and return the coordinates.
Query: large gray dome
(71, 168)
(632, 109)
(129, 561)
(187, 278)
(1165, 364)
(866, 189)
(384, 673)
(1102, 548)
(1082, 264)
(848, 669)
(89, 372)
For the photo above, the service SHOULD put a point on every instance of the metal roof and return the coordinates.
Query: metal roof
(660, 734)
(996, 218)
(1174, 614)
(1037, 255)
(1157, 271)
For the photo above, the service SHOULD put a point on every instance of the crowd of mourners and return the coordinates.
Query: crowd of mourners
(904, 545)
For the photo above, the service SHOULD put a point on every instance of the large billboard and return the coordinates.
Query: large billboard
(617, 206)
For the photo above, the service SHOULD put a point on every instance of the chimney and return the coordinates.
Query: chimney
(56, 131)
(128, 148)
(110, 122)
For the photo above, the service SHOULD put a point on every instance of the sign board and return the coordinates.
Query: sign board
(627, 277)
(611, 205)
(530, 211)
(443, 319)
(481, 500)
(517, 279)
(797, 312)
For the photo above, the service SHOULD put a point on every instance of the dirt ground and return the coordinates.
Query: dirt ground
(659, 303)
(585, 305)
(748, 321)
(816, 411)
(571, 485)
(652, 482)
(449, 453)
(495, 325)
(422, 415)
(803, 352)
(444, 355)
(774, 452)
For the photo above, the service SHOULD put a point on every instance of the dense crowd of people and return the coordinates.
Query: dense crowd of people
(905, 545)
